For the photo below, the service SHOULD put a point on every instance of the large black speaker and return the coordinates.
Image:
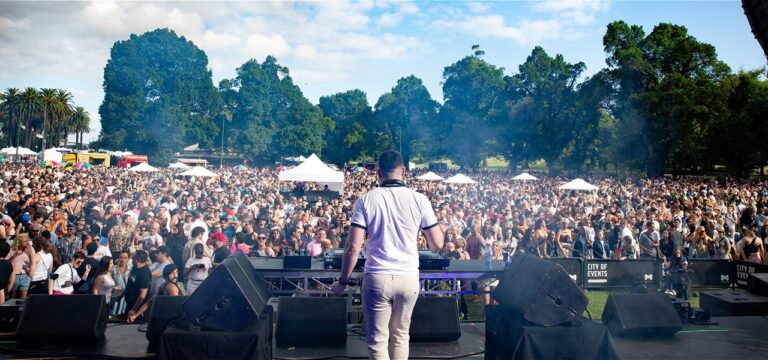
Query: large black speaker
(758, 283)
(541, 290)
(165, 310)
(311, 321)
(53, 319)
(231, 298)
(733, 303)
(757, 15)
(640, 314)
(435, 318)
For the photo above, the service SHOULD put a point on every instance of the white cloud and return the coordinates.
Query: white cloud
(478, 8)
(7, 24)
(262, 45)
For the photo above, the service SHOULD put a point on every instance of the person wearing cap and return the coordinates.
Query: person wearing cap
(391, 279)
(162, 259)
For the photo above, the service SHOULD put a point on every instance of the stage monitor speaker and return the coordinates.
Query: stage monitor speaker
(733, 303)
(10, 314)
(51, 319)
(640, 314)
(757, 15)
(165, 310)
(541, 290)
(311, 321)
(435, 318)
(231, 298)
(757, 283)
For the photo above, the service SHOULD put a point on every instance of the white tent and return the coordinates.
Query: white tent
(459, 179)
(178, 165)
(525, 176)
(143, 167)
(199, 171)
(52, 155)
(21, 151)
(577, 184)
(314, 170)
(430, 176)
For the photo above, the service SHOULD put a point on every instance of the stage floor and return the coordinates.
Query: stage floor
(733, 338)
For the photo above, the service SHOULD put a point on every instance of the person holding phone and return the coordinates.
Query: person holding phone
(196, 269)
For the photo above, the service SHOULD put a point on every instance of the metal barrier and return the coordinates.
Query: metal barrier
(710, 272)
(600, 273)
(743, 269)
(574, 267)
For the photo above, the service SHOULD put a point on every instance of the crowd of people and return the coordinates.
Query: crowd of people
(130, 236)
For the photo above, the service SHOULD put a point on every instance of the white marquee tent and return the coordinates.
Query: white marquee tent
(314, 170)
(178, 165)
(199, 171)
(143, 167)
(577, 184)
(21, 151)
(525, 176)
(459, 179)
(430, 176)
(52, 155)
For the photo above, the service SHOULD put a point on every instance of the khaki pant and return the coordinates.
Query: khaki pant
(388, 302)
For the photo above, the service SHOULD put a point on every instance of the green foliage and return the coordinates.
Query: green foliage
(271, 118)
(352, 118)
(159, 95)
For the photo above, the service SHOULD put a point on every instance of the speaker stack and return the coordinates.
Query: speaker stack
(539, 316)
(229, 307)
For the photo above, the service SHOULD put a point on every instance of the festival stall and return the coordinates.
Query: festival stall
(430, 176)
(314, 170)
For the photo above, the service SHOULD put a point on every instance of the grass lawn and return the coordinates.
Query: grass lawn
(597, 300)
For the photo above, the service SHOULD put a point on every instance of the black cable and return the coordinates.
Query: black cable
(588, 314)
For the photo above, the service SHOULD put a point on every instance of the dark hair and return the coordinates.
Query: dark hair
(5, 248)
(141, 256)
(390, 160)
(103, 265)
(91, 248)
(162, 249)
(168, 269)
(197, 231)
(42, 243)
(78, 255)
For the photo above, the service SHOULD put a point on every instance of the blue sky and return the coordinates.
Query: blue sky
(334, 46)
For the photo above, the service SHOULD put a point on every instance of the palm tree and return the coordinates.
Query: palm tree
(30, 106)
(11, 104)
(49, 98)
(79, 122)
(62, 109)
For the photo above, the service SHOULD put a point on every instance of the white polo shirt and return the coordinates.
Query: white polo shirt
(392, 214)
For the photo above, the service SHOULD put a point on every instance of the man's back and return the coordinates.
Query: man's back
(393, 215)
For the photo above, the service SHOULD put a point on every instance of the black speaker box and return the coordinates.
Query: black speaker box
(640, 314)
(509, 336)
(297, 262)
(231, 298)
(435, 318)
(311, 321)
(10, 314)
(733, 303)
(65, 320)
(165, 310)
(541, 290)
(757, 283)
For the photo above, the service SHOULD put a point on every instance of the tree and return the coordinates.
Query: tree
(474, 97)
(79, 123)
(271, 118)
(353, 119)
(548, 111)
(49, 99)
(404, 119)
(31, 106)
(62, 110)
(158, 96)
(10, 102)
(662, 82)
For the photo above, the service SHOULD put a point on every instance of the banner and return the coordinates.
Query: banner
(573, 266)
(621, 273)
(710, 272)
(743, 269)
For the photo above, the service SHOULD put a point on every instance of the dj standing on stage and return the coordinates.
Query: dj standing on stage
(392, 215)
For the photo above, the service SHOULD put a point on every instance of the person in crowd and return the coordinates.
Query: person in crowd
(21, 256)
(42, 266)
(90, 261)
(139, 282)
(120, 273)
(162, 259)
(315, 247)
(122, 236)
(649, 242)
(197, 234)
(196, 269)
(152, 240)
(6, 270)
(67, 277)
(221, 252)
(750, 247)
(103, 283)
